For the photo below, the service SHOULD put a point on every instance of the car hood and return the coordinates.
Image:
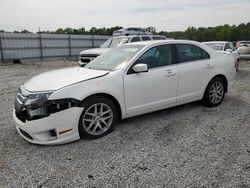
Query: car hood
(54, 80)
(97, 51)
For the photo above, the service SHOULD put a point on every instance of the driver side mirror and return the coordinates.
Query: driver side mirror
(141, 67)
(229, 50)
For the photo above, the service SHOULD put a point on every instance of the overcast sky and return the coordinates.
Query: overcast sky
(168, 15)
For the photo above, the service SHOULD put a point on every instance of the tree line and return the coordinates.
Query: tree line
(225, 32)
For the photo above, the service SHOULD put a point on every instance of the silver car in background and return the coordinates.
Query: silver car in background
(244, 49)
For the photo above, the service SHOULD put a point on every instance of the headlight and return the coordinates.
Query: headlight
(39, 95)
(31, 106)
(37, 99)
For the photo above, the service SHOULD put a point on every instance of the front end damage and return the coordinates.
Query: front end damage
(43, 121)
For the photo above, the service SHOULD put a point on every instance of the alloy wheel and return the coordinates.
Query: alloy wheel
(216, 92)
(97, 119)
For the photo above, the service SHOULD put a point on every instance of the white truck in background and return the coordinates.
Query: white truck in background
(88, 55)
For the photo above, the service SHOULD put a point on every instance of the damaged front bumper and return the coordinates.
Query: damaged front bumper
(58, 128)
(43, 121)
(32, 106)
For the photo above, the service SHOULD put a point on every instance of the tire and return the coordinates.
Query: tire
(214, 93)
(237, 65)
(94, 122)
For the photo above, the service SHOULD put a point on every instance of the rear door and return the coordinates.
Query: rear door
(194, 67)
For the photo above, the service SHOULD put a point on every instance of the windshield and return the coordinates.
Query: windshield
(113, 42)
(216, 46)
(114, 58)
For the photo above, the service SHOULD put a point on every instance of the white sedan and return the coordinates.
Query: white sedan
(86, 102)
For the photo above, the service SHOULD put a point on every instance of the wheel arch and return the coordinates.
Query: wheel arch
(221, 76)
(112, 98)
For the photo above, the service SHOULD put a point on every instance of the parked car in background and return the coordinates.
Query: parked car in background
(131, 31)
(242, 43)
(227, 48)
(244, 49)
(64, 105)
(88, 55)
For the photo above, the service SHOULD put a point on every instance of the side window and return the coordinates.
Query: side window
(231, 46)
(145, 38)
(227, 47)
(189, 52)
(205, 55)
(135, 39)
(157, 56)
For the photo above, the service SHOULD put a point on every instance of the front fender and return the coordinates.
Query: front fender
(109, 84)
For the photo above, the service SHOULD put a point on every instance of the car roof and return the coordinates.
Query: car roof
(152, 42)
(133, 28)
(130, 36)
(216, 42)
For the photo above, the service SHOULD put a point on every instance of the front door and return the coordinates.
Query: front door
(155, 89)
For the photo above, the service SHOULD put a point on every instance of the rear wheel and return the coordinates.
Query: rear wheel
(237, 65)
(214, 93)
(98, 117)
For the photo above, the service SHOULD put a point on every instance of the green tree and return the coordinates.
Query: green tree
(150, 29)
(224, 32)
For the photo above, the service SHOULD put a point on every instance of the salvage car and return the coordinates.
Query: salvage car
(65, 105)
(88, 55)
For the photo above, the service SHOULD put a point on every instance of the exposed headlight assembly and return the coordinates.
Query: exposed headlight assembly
(36, 100)
(31, 106)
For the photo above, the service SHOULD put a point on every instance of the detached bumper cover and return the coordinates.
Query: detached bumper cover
(58, 128)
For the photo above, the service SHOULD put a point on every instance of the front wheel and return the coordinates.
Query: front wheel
(98, 117)
(214, 93)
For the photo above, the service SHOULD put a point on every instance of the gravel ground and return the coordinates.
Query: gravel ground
(185, 146)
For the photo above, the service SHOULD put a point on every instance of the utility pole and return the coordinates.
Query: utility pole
(40, 44)
(70, 49)
(1, 49)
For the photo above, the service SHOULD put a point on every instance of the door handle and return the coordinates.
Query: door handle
(209, 66)
(170, 73)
